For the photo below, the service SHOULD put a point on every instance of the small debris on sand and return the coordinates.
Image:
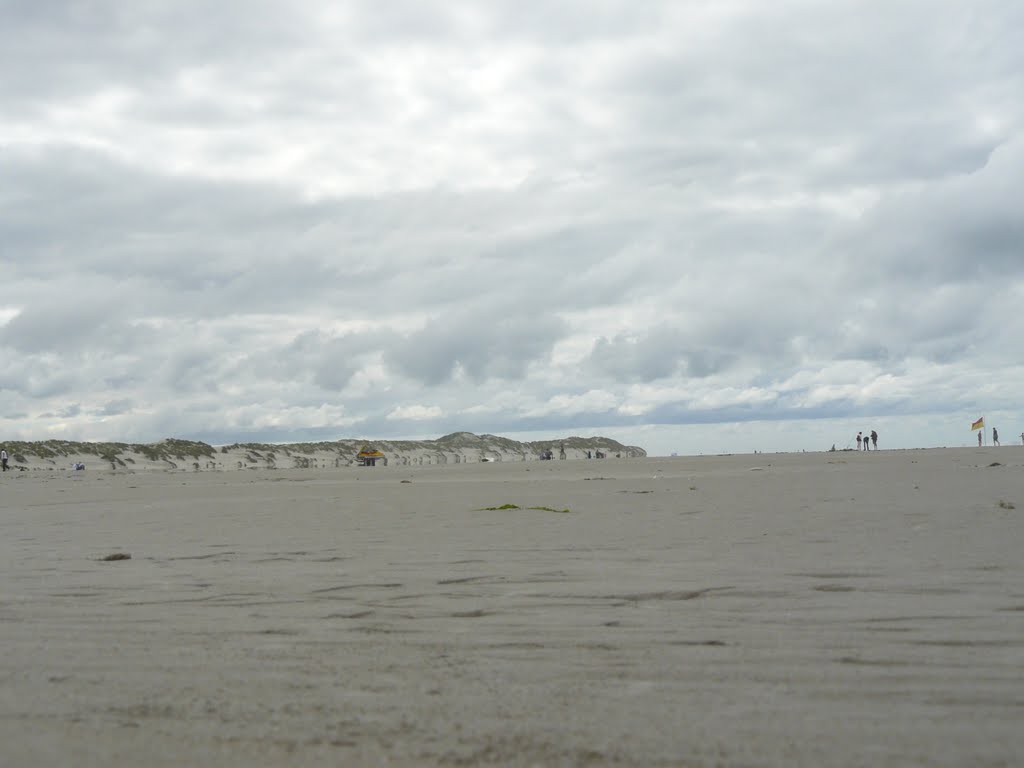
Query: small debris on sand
(116, 556)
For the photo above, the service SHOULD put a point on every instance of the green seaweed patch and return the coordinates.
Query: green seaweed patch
(1006, 504)
(516, 506)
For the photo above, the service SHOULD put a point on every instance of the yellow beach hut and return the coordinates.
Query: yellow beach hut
(369, 456)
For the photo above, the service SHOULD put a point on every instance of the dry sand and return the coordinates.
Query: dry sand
(771, 610)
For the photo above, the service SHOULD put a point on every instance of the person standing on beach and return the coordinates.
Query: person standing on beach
(858, 441)
(874, 440)
(995, 436)
(3, 458)
(979, 438)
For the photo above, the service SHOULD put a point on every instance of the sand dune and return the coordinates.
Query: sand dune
(769, 610)
(190, 455)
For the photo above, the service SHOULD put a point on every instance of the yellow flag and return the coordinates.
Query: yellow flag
(979, 424)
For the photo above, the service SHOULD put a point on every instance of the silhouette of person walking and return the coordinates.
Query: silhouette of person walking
(995, 436)
(979, 438)
(874, 439)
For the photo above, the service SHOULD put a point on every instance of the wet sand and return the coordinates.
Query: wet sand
(770, 610)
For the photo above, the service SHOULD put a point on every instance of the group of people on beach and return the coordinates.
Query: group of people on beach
(867, 442)
(995, 437)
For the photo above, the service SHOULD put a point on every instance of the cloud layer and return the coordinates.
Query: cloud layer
(269, 221)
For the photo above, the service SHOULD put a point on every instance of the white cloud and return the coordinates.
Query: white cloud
(295, 220)
(592, 401)
(415, 413)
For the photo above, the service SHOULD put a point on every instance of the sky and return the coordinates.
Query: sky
(692, 226)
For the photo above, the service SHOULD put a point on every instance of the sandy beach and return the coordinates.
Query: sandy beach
(825, 609)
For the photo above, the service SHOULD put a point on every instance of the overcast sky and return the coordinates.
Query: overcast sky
(692, 226)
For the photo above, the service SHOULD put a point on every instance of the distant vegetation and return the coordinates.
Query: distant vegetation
(172, 450)
(165, 450)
